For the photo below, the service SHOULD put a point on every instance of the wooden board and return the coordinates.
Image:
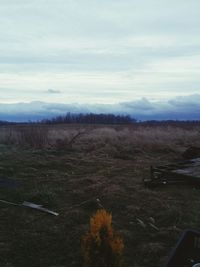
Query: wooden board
(184, 172)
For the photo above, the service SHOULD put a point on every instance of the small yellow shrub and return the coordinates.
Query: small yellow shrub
(101, 246)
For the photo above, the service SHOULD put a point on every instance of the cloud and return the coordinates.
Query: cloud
(179, 108)
(142, 105)
(183, 101)
(53, 91)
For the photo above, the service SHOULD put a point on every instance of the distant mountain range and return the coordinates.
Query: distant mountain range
(178, 108)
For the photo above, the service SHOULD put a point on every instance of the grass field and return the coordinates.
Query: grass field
(66, 168)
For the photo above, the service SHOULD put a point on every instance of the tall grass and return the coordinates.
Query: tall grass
(34, 136)
(94, 138)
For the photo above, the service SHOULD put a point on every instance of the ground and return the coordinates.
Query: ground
(102, 163)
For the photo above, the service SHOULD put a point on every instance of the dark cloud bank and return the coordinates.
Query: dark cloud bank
(179, 108)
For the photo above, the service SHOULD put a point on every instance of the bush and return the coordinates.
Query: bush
(101, 246)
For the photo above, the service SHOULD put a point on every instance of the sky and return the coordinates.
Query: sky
(106, 52)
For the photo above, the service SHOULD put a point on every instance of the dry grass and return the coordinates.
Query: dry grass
(140, 137)
(34, 136)
(108, 163)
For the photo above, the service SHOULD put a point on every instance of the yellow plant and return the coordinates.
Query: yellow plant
(101, 246)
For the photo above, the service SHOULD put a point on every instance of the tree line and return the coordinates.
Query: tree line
(90, 118)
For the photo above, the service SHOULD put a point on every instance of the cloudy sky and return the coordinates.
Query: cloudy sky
(104, 52)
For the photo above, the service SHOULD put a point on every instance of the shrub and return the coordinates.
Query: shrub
(101, 246)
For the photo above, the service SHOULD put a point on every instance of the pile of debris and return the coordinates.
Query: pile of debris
(183, 172)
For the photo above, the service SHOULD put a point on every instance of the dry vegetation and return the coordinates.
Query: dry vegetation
(66, 168)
